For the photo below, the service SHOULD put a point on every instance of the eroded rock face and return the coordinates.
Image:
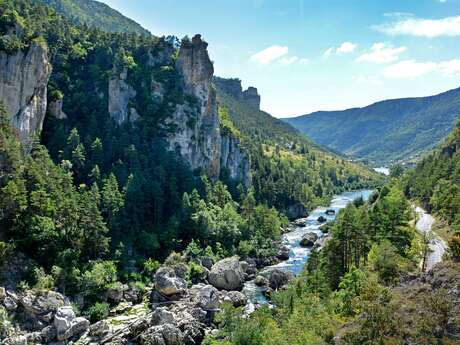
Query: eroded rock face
(120, 95)
(227, 274)
(235, 160)
(197, 136)
(55, 109)
(251, 96)
(24, 77)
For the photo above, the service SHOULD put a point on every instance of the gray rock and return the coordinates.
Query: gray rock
(162, 316)
(322, 219)
(63, 322)
(2, 294)
(208, 297)
(227, 274)
(261, 281)
(99, 329)
(79, 325)
(237, 298)
(207, 262)
(48, 333)
(309, 239)
(278, 278)
(167, 283)
(283, 253)
(162, 335)
(9, 304)
(41, 304)
(55, 109)
(23, 89)
(120, 94)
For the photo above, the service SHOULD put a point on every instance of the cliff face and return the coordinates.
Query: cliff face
(23, 87)
(197, 136)
(233, 87)
(120, 94)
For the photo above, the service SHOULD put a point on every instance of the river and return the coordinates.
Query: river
(299, 255)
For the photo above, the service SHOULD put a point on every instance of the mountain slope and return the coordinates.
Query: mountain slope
(289, 172)
(386, 131)
(96, 14)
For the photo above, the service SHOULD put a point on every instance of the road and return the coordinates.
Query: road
(437, 245)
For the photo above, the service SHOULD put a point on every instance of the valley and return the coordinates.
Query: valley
(146, 201)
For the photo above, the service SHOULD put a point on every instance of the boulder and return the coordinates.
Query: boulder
(207, 262)
(208, 298)
(283, 253)
(41, 304)
(227, 274)
(301, 222)
(63, 322)
(48, 333)
(330, 212)
(278, 278)
(168, 284)
(99, 329)
(309, 239)
(9, 304)
(162, 316)
(236, 298)
(261, 281)
(79, 325)
(162, 335)
(321, 219)
(132, 294)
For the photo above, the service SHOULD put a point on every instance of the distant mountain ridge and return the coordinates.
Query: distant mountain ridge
(96, 14)
(386, 131)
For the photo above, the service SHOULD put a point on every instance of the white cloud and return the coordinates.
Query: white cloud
(289, 60)
(346, 47)
(304, 61)
(328, 51)
(380, 53)
(449, 26)
(450, 68)
(409, 69)
(270, 54)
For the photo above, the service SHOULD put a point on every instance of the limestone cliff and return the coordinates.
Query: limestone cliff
(198, 137)
(120, 94)
(23, 87)
(233, 87)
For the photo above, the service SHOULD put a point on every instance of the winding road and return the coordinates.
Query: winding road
(437, 244)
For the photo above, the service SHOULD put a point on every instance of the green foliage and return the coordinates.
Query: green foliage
(98, 311)
(97, 15)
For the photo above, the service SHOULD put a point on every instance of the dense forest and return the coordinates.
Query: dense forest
(110, 199)
(103, 223)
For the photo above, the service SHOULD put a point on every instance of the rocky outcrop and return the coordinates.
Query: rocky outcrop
(235, 160)
(227, 274)
(233, 87)
(120, 95)
(197, 136)
(40, 317)
(309, 239)
(252, 97)
(167, 283)
(23, 89)
(55, 109)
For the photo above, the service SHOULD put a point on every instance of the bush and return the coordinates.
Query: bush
(98, 311)
(98, 278)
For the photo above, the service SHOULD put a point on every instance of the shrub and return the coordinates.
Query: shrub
(98, 311)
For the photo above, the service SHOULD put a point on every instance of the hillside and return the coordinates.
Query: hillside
(387, 131)
(289, 171)
(96, 14)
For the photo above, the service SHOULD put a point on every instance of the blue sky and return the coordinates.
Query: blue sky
(308, 55)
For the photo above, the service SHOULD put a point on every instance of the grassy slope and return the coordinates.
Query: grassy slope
(385, 131)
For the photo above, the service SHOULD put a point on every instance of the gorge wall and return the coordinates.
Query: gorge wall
(23, 89)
